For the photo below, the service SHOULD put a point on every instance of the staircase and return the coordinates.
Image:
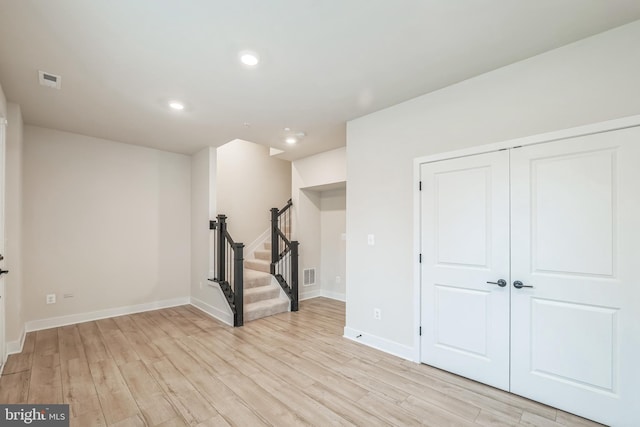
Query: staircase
(262, 295)
(265, 284)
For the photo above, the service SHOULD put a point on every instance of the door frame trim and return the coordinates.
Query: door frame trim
(3, 207)
(590, 129)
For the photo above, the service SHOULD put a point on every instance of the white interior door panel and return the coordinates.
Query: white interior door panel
(465, 235)
(575, 215)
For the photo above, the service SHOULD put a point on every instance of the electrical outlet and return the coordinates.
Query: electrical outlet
(51, 298)
(371, 239)
(338, 279)
(377, 313)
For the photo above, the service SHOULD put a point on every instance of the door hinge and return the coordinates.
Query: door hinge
(419, 185)
(420, 330)
(420, 258)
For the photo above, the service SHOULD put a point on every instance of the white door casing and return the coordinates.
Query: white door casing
(575, 237)
(465, 235)
(3, 348)
(574, 211)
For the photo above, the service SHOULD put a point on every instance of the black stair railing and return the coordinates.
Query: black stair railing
(284, 253)
(228, 267)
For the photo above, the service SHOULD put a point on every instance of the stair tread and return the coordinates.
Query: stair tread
(250, 274)
(262, 254)
(260, 261)
(270, 307)
(256, 278)
(266, 303)
(261, 293)
(260, 289)
(257, 264)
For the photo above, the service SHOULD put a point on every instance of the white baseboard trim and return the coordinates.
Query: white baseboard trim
(333, 295)
(322, 293)
(381, 344)
(54, 322)
(15, 347)
(309, 294)
(215, 312)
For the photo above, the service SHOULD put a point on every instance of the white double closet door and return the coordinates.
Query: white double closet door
(563, 219)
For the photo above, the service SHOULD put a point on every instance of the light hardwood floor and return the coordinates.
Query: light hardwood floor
(178, 367)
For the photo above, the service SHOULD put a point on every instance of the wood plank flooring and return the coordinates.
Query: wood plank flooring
(179, 367)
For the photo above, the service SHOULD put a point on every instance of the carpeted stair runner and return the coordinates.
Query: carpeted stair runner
(262, 297)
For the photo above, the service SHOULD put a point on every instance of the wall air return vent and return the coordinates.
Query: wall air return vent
(309, 276)
(49, 79)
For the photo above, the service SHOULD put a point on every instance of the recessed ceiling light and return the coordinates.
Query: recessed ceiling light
(249, 59)
(176, 105)
(291, 140)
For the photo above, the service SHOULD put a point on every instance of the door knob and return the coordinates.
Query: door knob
(519, 285)
(502, 283)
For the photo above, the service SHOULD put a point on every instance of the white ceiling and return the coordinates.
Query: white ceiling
(323, 62)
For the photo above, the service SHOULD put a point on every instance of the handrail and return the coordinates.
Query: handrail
(284, 253)
(283, 237)
(287, 206)
(228, 237)
(228, 267)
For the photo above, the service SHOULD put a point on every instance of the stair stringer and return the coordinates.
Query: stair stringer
(283, 294)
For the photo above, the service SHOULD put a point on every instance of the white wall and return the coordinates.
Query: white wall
(105, 221)
(3, 104)
(320, 169)
(204, 294)
(309, 177)
(593, 80)
(13, 226)
(249, 182)
(333, 221)
(202, 199)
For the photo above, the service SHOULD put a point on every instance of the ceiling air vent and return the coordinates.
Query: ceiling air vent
(49, 80)
(309, 276)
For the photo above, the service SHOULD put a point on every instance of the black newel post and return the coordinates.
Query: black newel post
(221, 230)
(238, 291)
(213, 226)
(294, 275)
(274, 239)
